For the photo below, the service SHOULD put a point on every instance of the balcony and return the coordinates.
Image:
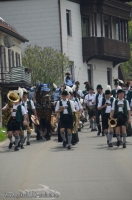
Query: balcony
(105, 49)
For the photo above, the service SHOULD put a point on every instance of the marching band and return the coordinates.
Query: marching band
(109, 112)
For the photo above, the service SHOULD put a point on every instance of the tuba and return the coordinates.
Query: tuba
(12, 98)
(112, 122)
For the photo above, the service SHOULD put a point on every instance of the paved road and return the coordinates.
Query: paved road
(89, 171)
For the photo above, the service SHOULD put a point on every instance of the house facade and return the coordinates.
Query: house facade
(12, 74)
(92, 33)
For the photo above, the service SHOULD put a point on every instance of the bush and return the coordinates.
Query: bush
(3, 135)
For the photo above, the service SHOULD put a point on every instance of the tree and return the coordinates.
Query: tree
(46, 64)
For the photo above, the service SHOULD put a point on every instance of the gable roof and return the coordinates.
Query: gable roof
(7, 28)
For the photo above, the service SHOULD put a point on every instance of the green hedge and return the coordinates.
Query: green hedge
(3, 135)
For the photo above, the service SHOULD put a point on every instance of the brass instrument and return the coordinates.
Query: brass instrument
(28, 127)
(112, 122)
(12, 98)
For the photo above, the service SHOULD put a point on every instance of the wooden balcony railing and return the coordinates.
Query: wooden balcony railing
(105, 49)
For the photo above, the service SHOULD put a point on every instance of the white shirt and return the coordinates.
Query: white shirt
(109, 106)
(80, 93)
(99, 97)
(64, 103)
(15, 110)
(120, 102)
(89, 99)
(76, 107)
(25, 105)
(79, 104)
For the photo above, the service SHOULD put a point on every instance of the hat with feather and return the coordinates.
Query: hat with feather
(121, 83)
(87, 84)
(127, 84)
(116, 81)
(20, 92)
(108, 90)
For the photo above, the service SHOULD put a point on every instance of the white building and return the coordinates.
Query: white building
(93, 34)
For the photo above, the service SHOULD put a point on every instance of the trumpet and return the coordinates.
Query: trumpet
(112, 122)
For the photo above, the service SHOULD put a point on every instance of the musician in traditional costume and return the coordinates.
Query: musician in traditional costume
(30, 107)
(121, 112)
(75, 138)
(128, 92)
(114, 91)
(18, 116)
(85, 92)
(68, 81)
(99, 95)
(66, 108)
(105, 105)
(90, 104)
(121, 84)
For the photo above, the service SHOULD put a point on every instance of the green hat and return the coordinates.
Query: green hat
(64, 93)
(107, 92)
(99, 87)
(120, 91)
(91, 88)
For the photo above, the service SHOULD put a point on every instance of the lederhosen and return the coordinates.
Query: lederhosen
(66, 120)
(14, 123)
(30, 112)
(91, 109)
(98, 112)
(121, 116)
(105, 116)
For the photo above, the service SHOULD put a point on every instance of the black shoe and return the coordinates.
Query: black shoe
(69, 147)
(110, 145)
(93, 129)
(124, 145)
(10, 145)
(64, 143)
(103, 133)
(22, 147)
(16, 148)
(73, 143)
(19, 144)
(98, 133)
(118, 143)
(28, 143)
(79, 129)
(108, 142)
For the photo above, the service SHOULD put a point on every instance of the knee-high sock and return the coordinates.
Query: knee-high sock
(69, 139)
(110, 136)
(99, 128)
(118, 137)
(16, 140)
(63, 136)
(86, 114)
(124, 137)
(22, 139)
(10, 138)
(107, 136)
(28, 136)
(94, 124)
(91, 123)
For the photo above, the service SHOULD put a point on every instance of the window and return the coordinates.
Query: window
(90, 73)
(117, 31)
(106, 29)
(3, 63)
(17, 60)
(68, 21)
(85, 27)
(71, 69)
(11, 58)
(108, 76)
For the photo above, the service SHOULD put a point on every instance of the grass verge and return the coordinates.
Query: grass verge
(3, 135)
